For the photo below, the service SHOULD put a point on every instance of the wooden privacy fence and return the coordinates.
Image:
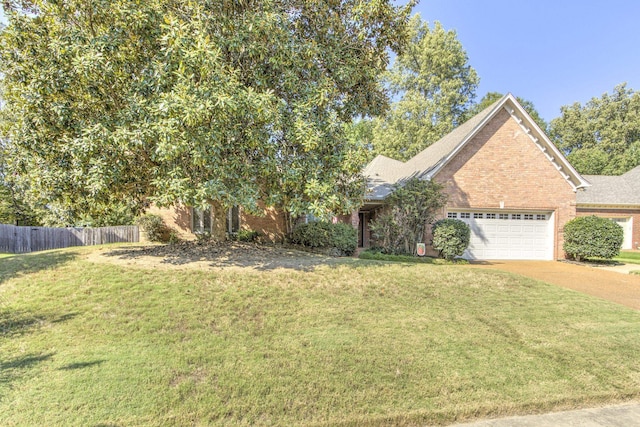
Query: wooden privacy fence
(17, 240)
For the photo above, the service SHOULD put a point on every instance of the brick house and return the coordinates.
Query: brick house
(616, 198)
(503, 177)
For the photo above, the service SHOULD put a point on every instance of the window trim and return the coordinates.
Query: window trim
(201, 226)
(233, 219)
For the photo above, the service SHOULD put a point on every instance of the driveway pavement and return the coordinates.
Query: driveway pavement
(603, 283)
(625, 415)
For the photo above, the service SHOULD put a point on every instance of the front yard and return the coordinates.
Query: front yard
(86, 340)
(628, 257)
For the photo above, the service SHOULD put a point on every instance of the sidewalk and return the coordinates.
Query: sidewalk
(624, 415)
(621, 268)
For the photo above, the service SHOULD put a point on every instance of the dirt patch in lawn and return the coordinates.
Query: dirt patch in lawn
(213, 256)
(610, 285)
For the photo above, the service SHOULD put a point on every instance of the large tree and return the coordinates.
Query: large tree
(603, 136)
(433, 85)
(126, 102)
(13, 209)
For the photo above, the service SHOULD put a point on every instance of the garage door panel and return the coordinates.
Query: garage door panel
(513, 237)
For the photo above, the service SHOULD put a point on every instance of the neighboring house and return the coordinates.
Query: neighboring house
(617, 198)
(503, 177)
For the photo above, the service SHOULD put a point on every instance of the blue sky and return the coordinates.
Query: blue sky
(550, 52)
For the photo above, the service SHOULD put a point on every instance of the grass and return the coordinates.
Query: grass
(379, 256)
(364, 343)
(628, 257)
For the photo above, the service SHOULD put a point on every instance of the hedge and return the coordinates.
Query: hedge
(451, 237)
(343, 238)
(592, 237)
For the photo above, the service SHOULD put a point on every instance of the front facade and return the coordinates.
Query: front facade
(503, 177)
(616, 198)
(219, 222)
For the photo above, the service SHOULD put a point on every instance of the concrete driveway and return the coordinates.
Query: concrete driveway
(625, 415)
(597, 281)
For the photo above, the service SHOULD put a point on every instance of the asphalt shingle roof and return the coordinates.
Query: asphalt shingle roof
(612, 190)
(383, 172)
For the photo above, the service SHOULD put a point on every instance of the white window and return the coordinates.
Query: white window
(465, 215)
(477, 215)
(491, 216)
(452, 215)
(516, 216)
(201, 220)
(528, 216)
(503, 216)
(541, 217)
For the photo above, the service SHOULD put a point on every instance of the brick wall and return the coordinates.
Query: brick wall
(177, 218)
(620, 213)
(272, 225)
(501, 164)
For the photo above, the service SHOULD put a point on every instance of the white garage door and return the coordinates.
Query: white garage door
(508, 235)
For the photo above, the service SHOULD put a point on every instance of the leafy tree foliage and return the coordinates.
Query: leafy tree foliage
(434, 85)
(13, 209)
(451, 237)
(410, 207)
(528, 106)
(231, 100)
(603, 136)
(592, 236)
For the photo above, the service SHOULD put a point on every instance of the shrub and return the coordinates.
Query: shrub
(326, 235)
(246, 235)
(592, 236)
(154, 227)
(410, 207)
(450, 237)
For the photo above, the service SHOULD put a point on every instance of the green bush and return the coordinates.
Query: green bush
(246, 236)
(326, 235)
(154, 227)
(592, 237)
(450, 237)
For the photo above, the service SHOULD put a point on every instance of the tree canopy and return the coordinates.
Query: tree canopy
(434, 86)
(528, 106)
(603, 136)
(236, 101)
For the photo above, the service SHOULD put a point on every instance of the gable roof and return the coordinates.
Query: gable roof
(432, 159)
(382, 173)
(623, 190)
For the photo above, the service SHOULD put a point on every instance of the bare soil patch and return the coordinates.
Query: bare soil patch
(213, 256)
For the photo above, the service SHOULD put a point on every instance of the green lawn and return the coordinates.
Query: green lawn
(628, 257)
(363, 343)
